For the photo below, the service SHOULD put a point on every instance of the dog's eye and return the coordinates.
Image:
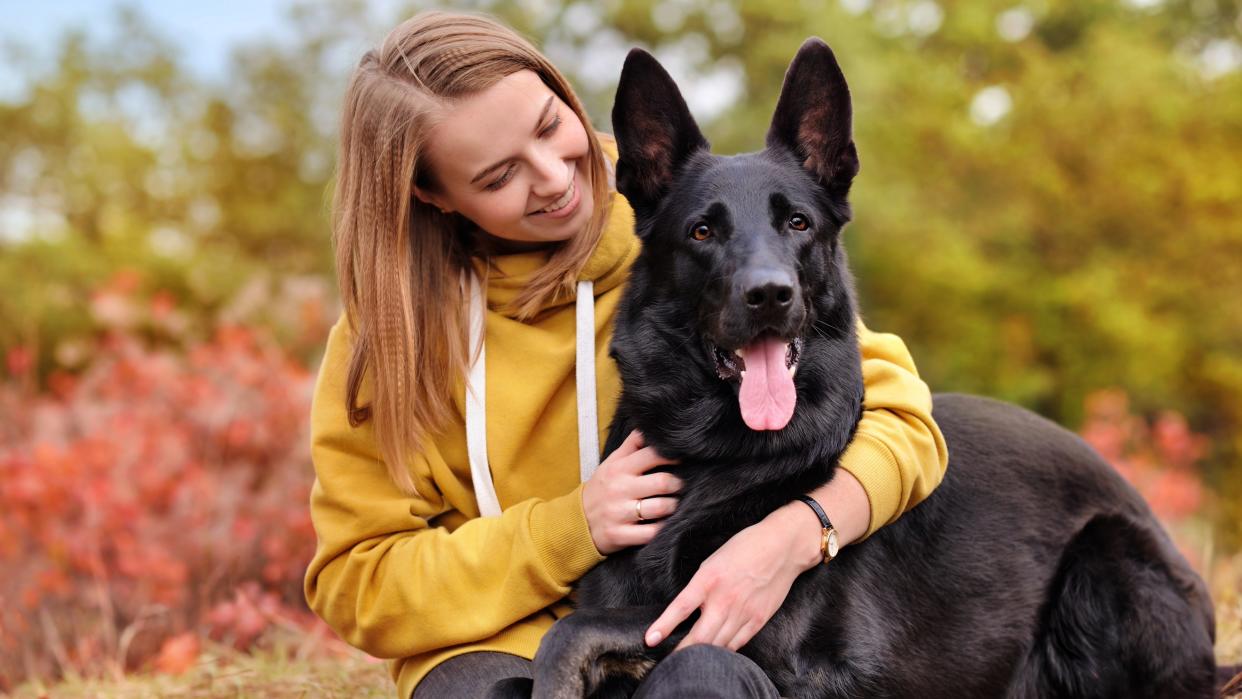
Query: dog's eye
(700, 231)
(798, 222)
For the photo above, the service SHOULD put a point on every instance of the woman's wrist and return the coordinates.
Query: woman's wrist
(846, 504)
(801, 530)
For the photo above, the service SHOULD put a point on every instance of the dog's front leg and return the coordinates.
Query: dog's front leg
(592, 650)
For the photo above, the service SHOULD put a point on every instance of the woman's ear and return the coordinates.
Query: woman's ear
(432, 199)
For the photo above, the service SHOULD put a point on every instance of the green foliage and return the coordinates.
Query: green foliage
(1049, 202)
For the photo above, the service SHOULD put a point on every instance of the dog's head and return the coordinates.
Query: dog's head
(742, 292)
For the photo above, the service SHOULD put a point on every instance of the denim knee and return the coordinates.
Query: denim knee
(706, 671)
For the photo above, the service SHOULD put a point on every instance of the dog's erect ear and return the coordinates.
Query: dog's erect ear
(655, 132)
(814, 119)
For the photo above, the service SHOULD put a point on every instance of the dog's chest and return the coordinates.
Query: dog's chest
(657, 572)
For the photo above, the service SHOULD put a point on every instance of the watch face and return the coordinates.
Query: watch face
(833, 544)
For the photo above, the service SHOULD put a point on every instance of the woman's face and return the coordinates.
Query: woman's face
(513, 159)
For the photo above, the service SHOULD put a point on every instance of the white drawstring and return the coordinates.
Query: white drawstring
(476, 409)
(588, 420)
(476, 394)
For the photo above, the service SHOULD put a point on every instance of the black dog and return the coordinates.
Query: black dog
(1032, 571)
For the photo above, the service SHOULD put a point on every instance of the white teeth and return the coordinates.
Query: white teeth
(743, 373)
(792, 369)
(737, 353)
(560, 203)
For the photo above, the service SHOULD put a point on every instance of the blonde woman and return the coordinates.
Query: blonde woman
(472, 200)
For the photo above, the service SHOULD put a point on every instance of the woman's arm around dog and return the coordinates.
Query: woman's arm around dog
(898, 456)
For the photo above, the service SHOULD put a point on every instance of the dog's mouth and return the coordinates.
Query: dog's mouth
(765, 366)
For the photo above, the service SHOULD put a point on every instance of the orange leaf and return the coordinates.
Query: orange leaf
(178, 654)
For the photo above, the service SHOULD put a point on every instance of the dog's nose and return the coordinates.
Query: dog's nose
(768, 290)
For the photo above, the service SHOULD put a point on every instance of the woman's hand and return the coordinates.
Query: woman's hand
(742, 584)
(609, 497)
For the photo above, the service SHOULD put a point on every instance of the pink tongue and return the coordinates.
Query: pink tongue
(767, 397)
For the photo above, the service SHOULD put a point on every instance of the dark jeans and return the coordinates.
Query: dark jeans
(697, 671)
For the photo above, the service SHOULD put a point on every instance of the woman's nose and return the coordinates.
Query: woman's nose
(551, 174)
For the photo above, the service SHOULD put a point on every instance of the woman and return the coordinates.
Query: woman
(467, 163)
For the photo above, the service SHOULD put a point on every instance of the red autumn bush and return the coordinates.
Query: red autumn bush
(156, 494)
(1159, 456)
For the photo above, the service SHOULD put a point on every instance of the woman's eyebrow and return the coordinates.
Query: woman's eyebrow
(543, 113)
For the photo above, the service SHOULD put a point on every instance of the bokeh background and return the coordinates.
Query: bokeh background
(1049, 212)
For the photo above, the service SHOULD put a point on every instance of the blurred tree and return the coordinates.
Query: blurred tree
(119, 157)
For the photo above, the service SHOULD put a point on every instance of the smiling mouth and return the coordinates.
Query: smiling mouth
(561, 203)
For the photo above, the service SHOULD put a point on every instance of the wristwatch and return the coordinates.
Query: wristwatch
(829, 544)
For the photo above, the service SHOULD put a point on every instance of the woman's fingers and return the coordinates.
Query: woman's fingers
(734, 620)
(706, 627)
(610, 499)
(644, 460)
(744, 634)
(676, 612)
(657, 508)
(633, 442)
(636, 534)
(654, 484)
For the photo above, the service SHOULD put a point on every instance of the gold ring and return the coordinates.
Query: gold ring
(638, 509)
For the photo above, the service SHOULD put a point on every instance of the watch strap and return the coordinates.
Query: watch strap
(828, 530)
(819, 511)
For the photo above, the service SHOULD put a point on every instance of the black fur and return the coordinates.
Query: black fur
(1033, 570)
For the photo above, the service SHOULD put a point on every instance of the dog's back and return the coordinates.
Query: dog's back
(1033, 570)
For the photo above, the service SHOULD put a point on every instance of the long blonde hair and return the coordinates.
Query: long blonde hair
(398, 259)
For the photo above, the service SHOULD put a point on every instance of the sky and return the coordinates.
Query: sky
(207, 28)
(206, 31)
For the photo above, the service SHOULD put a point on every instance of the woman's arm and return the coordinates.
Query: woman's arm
(387, 580)
(898, 456)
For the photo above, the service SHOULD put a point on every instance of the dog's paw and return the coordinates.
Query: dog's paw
(592, 650)
(559, 663)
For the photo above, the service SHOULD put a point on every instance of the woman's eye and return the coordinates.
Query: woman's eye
(503, 179)
(547, 131)
(700, 231)
(551, 128)
(798, 222)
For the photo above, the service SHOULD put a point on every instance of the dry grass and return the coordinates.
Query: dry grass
(279, 672)
(1225, 581)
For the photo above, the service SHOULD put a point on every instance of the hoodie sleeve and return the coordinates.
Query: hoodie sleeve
(898, 453)
(390, 581)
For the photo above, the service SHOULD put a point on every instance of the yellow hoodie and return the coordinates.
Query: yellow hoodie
(419, 580)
